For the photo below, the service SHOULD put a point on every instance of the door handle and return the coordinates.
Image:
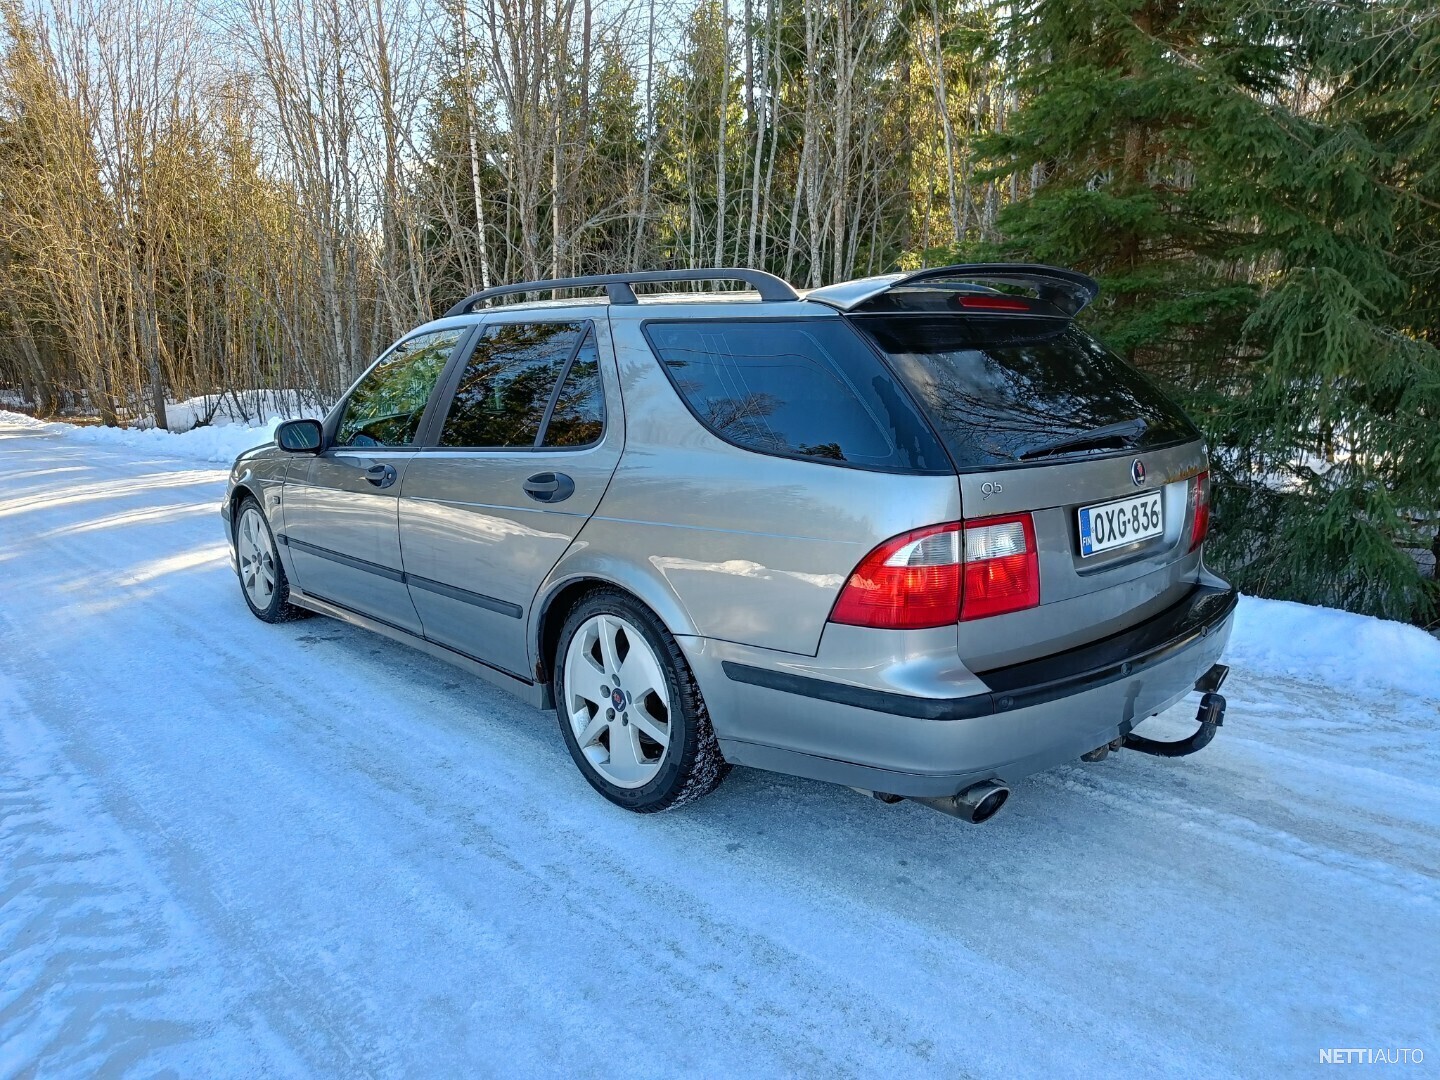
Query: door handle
(549, 487)
(382, 476)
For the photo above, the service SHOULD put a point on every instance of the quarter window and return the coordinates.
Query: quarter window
(807, 388)
(386, 405)
(507, 385)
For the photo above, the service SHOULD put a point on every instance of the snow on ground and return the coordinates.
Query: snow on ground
(245, 408)
(1341, 650)
(219, 442)
(228, 848)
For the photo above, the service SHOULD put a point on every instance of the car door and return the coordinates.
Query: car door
(520, 457)
(341, 522)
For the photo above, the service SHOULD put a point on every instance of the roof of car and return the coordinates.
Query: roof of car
(1067, 290)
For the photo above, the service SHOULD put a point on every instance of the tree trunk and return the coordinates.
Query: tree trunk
(720, 164)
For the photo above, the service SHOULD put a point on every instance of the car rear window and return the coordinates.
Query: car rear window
(999, 389)
(808, 388)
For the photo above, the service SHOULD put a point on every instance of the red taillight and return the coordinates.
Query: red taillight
(910, 582)
(1200, 501)
(914, 581)
(1002, 567)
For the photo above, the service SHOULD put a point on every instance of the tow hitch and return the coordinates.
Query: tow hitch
(1210, 716)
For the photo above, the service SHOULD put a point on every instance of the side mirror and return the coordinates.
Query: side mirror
(299, 436)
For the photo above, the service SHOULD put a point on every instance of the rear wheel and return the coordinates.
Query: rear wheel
(629, 709)
(262, 576)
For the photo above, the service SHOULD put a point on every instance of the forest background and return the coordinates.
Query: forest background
(232, 197)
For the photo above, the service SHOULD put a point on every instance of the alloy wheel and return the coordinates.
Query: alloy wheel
(257, 559)
(617, 701)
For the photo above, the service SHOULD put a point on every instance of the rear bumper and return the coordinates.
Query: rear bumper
(1010, 722)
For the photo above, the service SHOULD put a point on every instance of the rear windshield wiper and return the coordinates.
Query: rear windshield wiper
(1126, 433)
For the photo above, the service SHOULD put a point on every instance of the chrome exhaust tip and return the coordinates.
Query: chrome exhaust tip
(977, 804)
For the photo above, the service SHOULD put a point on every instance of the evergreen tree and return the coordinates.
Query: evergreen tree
(1243, 220)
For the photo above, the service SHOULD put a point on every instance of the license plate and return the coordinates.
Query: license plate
(1115, 524)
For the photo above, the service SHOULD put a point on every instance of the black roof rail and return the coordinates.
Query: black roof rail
(619, 287)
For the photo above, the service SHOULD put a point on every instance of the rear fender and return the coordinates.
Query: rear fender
(582, 565)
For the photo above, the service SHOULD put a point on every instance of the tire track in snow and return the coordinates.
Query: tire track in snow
(1239, 829)
(94, 956)
(397, 870)
(288, 694)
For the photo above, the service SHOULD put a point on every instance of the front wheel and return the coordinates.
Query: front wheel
(629, 709)
(262, 576)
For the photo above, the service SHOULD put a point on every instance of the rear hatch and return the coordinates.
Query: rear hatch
(1041, 419)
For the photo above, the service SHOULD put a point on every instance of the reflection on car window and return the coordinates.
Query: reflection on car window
(802, 387)
(996, 388)
(386, 405)
(578, 418)
(507, 384)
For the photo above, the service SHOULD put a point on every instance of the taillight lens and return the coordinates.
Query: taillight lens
(910, 582)
(944, 573)
(1002, 567)
(1200, 501)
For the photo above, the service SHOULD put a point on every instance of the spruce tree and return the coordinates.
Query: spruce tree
(1245, 181)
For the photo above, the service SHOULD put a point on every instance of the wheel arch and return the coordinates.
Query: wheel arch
(568, 586)
(255, 486)
(242, 490)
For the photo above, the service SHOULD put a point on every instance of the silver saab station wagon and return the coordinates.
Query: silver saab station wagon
(918, 534)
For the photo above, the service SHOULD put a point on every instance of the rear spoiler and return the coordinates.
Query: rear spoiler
(1065, 292)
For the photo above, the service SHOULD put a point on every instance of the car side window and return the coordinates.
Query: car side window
(808, 388)
(386, 406)
(578, 418)
(508, 383)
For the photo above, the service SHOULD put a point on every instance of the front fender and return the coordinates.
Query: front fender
(262, 477)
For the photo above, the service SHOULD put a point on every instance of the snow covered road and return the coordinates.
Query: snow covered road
(228, 848)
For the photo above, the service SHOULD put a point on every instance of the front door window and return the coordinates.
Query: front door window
(386, 405)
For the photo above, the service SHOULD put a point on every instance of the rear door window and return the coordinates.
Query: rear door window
(578, 416)
(508, 382)
(1000, 391)
(807, 388)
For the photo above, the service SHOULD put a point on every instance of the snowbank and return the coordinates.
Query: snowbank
(1324, 646)
(16, 419)
(247, 408)
(222, 444)
(219, 444)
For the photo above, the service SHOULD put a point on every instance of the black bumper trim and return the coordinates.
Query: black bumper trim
(465, 596)
(490, 603)
(861, 697)
(1034, 682)
(342, 559)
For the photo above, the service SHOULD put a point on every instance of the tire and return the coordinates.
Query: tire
(263, 583)
(610, 639)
